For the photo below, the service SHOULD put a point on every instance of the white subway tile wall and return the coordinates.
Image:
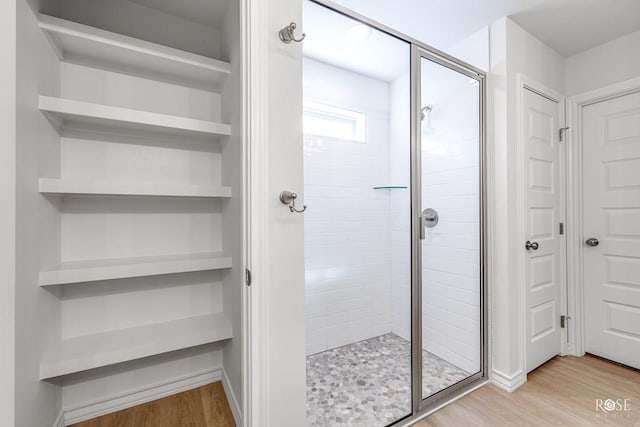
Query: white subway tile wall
(357, 240)
(400, 206)
(347, 230)
(450, 184)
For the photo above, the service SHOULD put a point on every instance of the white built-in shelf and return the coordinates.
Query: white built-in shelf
(108, 348)
(93, 270)
(63, 187)
(64, 112)
(82, 44)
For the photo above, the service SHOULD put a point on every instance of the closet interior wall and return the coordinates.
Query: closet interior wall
(129, 204)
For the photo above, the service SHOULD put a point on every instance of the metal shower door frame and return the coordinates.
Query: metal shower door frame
(422, 407)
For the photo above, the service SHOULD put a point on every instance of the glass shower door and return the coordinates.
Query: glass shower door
(356, 123)
(449, 199)
(394, 306)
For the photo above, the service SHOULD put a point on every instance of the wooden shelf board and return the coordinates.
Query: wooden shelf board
(83, 44)
(108, 188)
(94, 270)
(61, 111)
(108, 348)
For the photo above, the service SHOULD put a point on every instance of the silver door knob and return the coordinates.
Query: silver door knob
(592, 241)
(531, 245)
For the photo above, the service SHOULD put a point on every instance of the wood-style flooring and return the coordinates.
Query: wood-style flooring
(205, 406)
(562, 392)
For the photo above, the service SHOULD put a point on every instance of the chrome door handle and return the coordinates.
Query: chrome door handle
(531, 245)
(592, 241)
(430, 217)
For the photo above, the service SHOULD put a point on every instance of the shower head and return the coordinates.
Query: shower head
(424, 111)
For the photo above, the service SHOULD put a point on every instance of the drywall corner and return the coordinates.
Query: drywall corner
(7, 209)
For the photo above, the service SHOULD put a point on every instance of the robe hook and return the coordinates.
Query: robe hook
(287, 36)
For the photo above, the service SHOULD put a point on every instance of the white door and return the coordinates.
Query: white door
(543, 215)
(611, 214)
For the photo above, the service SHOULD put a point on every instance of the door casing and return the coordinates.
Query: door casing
(575, 235)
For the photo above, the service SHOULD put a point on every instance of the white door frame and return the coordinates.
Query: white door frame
(254, 22)
(273, 388)
(525, 83)
(575, 104)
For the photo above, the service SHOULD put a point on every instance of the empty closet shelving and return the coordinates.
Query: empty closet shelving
(62, 187)
(67, 111)
(96, 270)
(76, 42)
(141, 192)
(107, 348)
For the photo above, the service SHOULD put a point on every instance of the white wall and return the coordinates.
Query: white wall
(112, 382)
(513, 51)
(7, 209)
(233, 224)
(347, 232)
(603, 65)
(37, 230)
(473, 49)
(277, 252)
(450, 185)
(135, 20)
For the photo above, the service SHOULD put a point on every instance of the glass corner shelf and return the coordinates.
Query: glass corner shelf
(390, 187)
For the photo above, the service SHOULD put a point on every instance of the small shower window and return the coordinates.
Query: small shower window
(333, 122)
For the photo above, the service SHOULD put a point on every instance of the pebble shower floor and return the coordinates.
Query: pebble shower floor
(368, 383)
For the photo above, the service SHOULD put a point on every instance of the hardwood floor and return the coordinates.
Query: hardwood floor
(205, 406)
(562, 392)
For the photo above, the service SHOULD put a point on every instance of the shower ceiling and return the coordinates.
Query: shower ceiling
(330, 39)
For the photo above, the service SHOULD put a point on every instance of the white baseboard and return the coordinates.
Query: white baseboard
(233, 401)
(507, 382)
(141, 395)
(59, 422)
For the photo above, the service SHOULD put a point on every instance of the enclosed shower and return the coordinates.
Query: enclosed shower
(393, 259)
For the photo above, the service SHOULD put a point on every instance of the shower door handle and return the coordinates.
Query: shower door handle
(428, 219)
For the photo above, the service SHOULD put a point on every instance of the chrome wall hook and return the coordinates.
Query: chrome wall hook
(289, 198)
(287, 36)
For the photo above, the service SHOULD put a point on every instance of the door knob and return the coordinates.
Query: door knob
(592, 241)
(531, 245)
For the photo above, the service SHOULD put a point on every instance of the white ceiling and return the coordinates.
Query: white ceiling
(572, 26)
(379, 55)
(568, 26)
(206, 12)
